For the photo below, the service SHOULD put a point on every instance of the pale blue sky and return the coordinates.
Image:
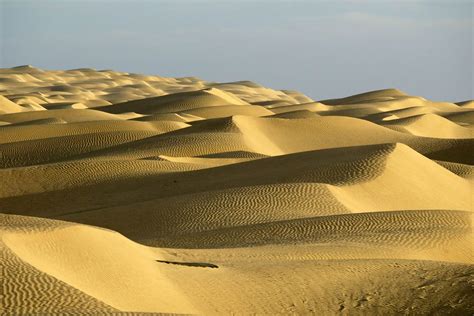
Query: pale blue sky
(322, 48)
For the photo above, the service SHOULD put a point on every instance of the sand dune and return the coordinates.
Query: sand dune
(123, 192)
(430, 125)
(465, 118)
(8, 106)
(176, 102)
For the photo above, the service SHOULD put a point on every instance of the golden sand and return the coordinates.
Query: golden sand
(124, 192)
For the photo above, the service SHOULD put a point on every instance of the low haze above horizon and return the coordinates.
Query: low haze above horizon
(325, 49)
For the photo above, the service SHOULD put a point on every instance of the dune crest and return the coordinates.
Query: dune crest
(123, 192)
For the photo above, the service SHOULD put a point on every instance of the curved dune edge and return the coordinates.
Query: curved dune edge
(111, 268)
(122, 192)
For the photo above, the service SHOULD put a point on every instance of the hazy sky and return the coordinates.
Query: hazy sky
(322, 48)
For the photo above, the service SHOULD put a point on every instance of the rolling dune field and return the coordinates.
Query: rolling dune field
(124, 192)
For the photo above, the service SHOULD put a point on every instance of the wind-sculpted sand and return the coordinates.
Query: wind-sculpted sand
(134, 193)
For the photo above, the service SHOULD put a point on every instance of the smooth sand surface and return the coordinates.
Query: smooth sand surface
(134, 193)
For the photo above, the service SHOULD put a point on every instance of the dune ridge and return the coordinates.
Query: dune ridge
(140, 194)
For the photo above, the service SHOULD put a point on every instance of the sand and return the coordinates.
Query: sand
(124, 192)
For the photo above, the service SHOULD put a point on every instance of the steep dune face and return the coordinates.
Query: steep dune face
(60, 252)
(7, 106)
(130, 193)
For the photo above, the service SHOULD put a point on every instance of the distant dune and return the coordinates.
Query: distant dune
(133, 193)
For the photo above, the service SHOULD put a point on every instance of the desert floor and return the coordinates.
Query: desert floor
(128, 192)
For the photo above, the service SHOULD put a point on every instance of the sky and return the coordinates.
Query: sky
(325, 49)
